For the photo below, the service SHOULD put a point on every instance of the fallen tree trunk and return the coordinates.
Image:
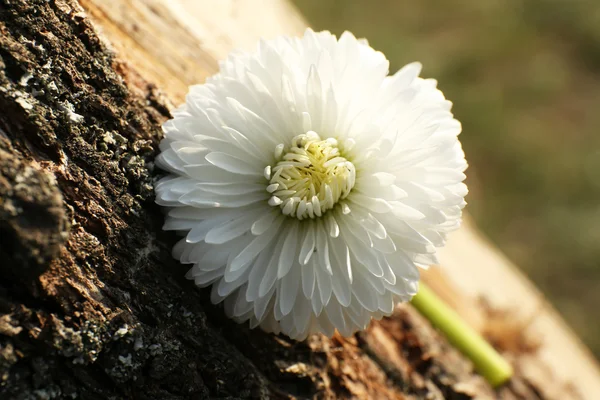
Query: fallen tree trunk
(91, 304)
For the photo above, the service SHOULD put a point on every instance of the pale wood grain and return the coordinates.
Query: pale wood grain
(178, 43)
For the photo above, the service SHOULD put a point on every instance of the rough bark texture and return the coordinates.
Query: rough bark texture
(91, 304)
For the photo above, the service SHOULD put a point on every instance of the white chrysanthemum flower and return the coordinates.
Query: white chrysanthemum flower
(310, 185)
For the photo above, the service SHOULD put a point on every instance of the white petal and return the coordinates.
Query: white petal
(335, 314)
(308, 245)
(236, 189)
(301, 314)
(261, 304)
(268, 279)
(405, 212)
(308, 279)
(288, 252)
(365, 295)
(230, 230)
(289, 290)
(376, 205)
(324, 284)
(258, 270)
(261, 225)
(232, 164)
(256, 246)
(341, 288)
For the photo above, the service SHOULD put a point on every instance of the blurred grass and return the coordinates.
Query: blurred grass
(524, 76)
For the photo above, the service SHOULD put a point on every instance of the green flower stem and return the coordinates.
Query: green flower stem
(487, 361)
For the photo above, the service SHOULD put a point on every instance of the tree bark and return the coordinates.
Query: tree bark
(91, 304)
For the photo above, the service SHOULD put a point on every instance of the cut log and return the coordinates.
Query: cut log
(91, 304)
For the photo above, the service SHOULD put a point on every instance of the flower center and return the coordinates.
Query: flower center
(310, 178)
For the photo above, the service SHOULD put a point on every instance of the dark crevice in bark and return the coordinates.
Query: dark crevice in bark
(392, 373)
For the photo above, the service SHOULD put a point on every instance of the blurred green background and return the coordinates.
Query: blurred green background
(524, 76)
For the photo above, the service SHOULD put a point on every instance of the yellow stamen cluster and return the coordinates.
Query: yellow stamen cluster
(310, 178)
